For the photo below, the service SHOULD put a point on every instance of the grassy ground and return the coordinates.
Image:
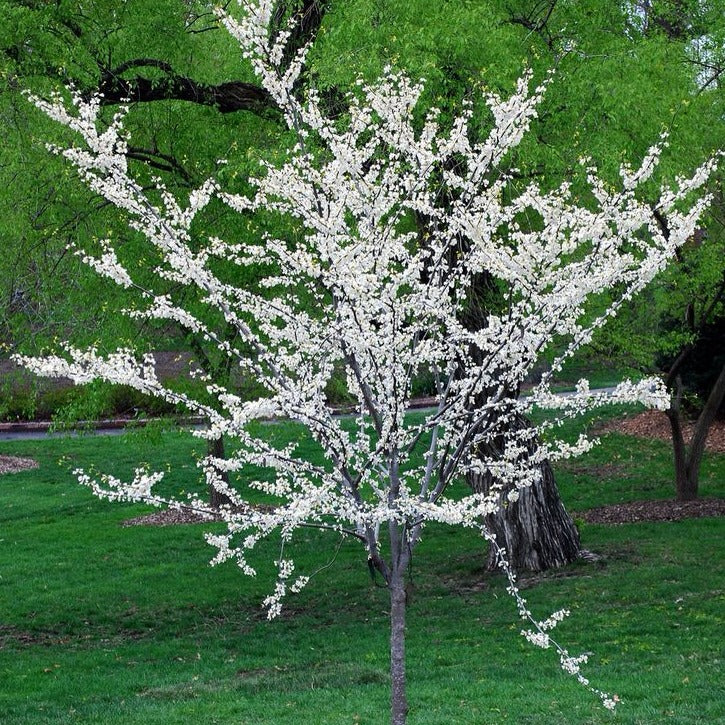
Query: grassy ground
(105, 624)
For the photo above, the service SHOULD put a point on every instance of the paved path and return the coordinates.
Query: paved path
(42, 429)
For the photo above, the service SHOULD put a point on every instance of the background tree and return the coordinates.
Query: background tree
(627, 72)
(172, 62)
(141, 45)
(145, 50)
(681, 339)
(678, 324)
(112, 64)
(701, 307)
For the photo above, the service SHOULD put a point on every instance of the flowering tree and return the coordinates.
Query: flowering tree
(356, 287)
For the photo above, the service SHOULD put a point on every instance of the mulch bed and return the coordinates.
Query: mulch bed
(171, 517)
(663, 510)
(622, 513)
(654, 424)
(15, 464)
(168, 517)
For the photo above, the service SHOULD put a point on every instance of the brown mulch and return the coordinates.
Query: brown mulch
(15, 464)
(172, 517)
(654, 424)
(168, 517)
(622, 513)
(662, 510)
(650, 424)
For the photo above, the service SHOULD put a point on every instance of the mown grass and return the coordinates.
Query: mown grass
(105, 624)
(599, 373)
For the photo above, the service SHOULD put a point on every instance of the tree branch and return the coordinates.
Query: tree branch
(226, 97)
(158, 160)
(538, 24)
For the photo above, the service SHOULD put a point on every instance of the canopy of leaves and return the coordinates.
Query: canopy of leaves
(624, 72)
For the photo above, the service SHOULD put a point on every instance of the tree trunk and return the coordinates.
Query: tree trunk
(536, 531)
(217, 499)
(219, 372)
(398, 701)
(687, 458)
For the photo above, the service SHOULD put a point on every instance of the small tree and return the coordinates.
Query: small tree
(679, 328)
(356, 288)
(695, 303)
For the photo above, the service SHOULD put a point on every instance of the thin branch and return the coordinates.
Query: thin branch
(159, 160)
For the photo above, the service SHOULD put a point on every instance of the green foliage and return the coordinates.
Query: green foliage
(67, 406)
(683, 308)
(619, 82)
(615, 90)
(99, 400)
(46, 292)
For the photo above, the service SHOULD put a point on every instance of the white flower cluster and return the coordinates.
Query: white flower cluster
(113, 489)
(365, 288)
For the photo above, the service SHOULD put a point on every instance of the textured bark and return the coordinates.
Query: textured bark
(536, 531)
(688, 457)
(226, 97)
(398, 701)
(217, 499)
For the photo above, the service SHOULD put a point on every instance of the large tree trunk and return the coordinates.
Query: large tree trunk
(536, 531)
(689, 457)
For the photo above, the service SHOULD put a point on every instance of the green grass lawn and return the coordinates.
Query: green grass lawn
(600, 374)
(105, 624)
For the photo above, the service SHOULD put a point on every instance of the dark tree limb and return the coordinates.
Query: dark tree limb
(226, 97)
(197, 23)
(158, 160)
(537, 21)
(537, 18)
(229, 97)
